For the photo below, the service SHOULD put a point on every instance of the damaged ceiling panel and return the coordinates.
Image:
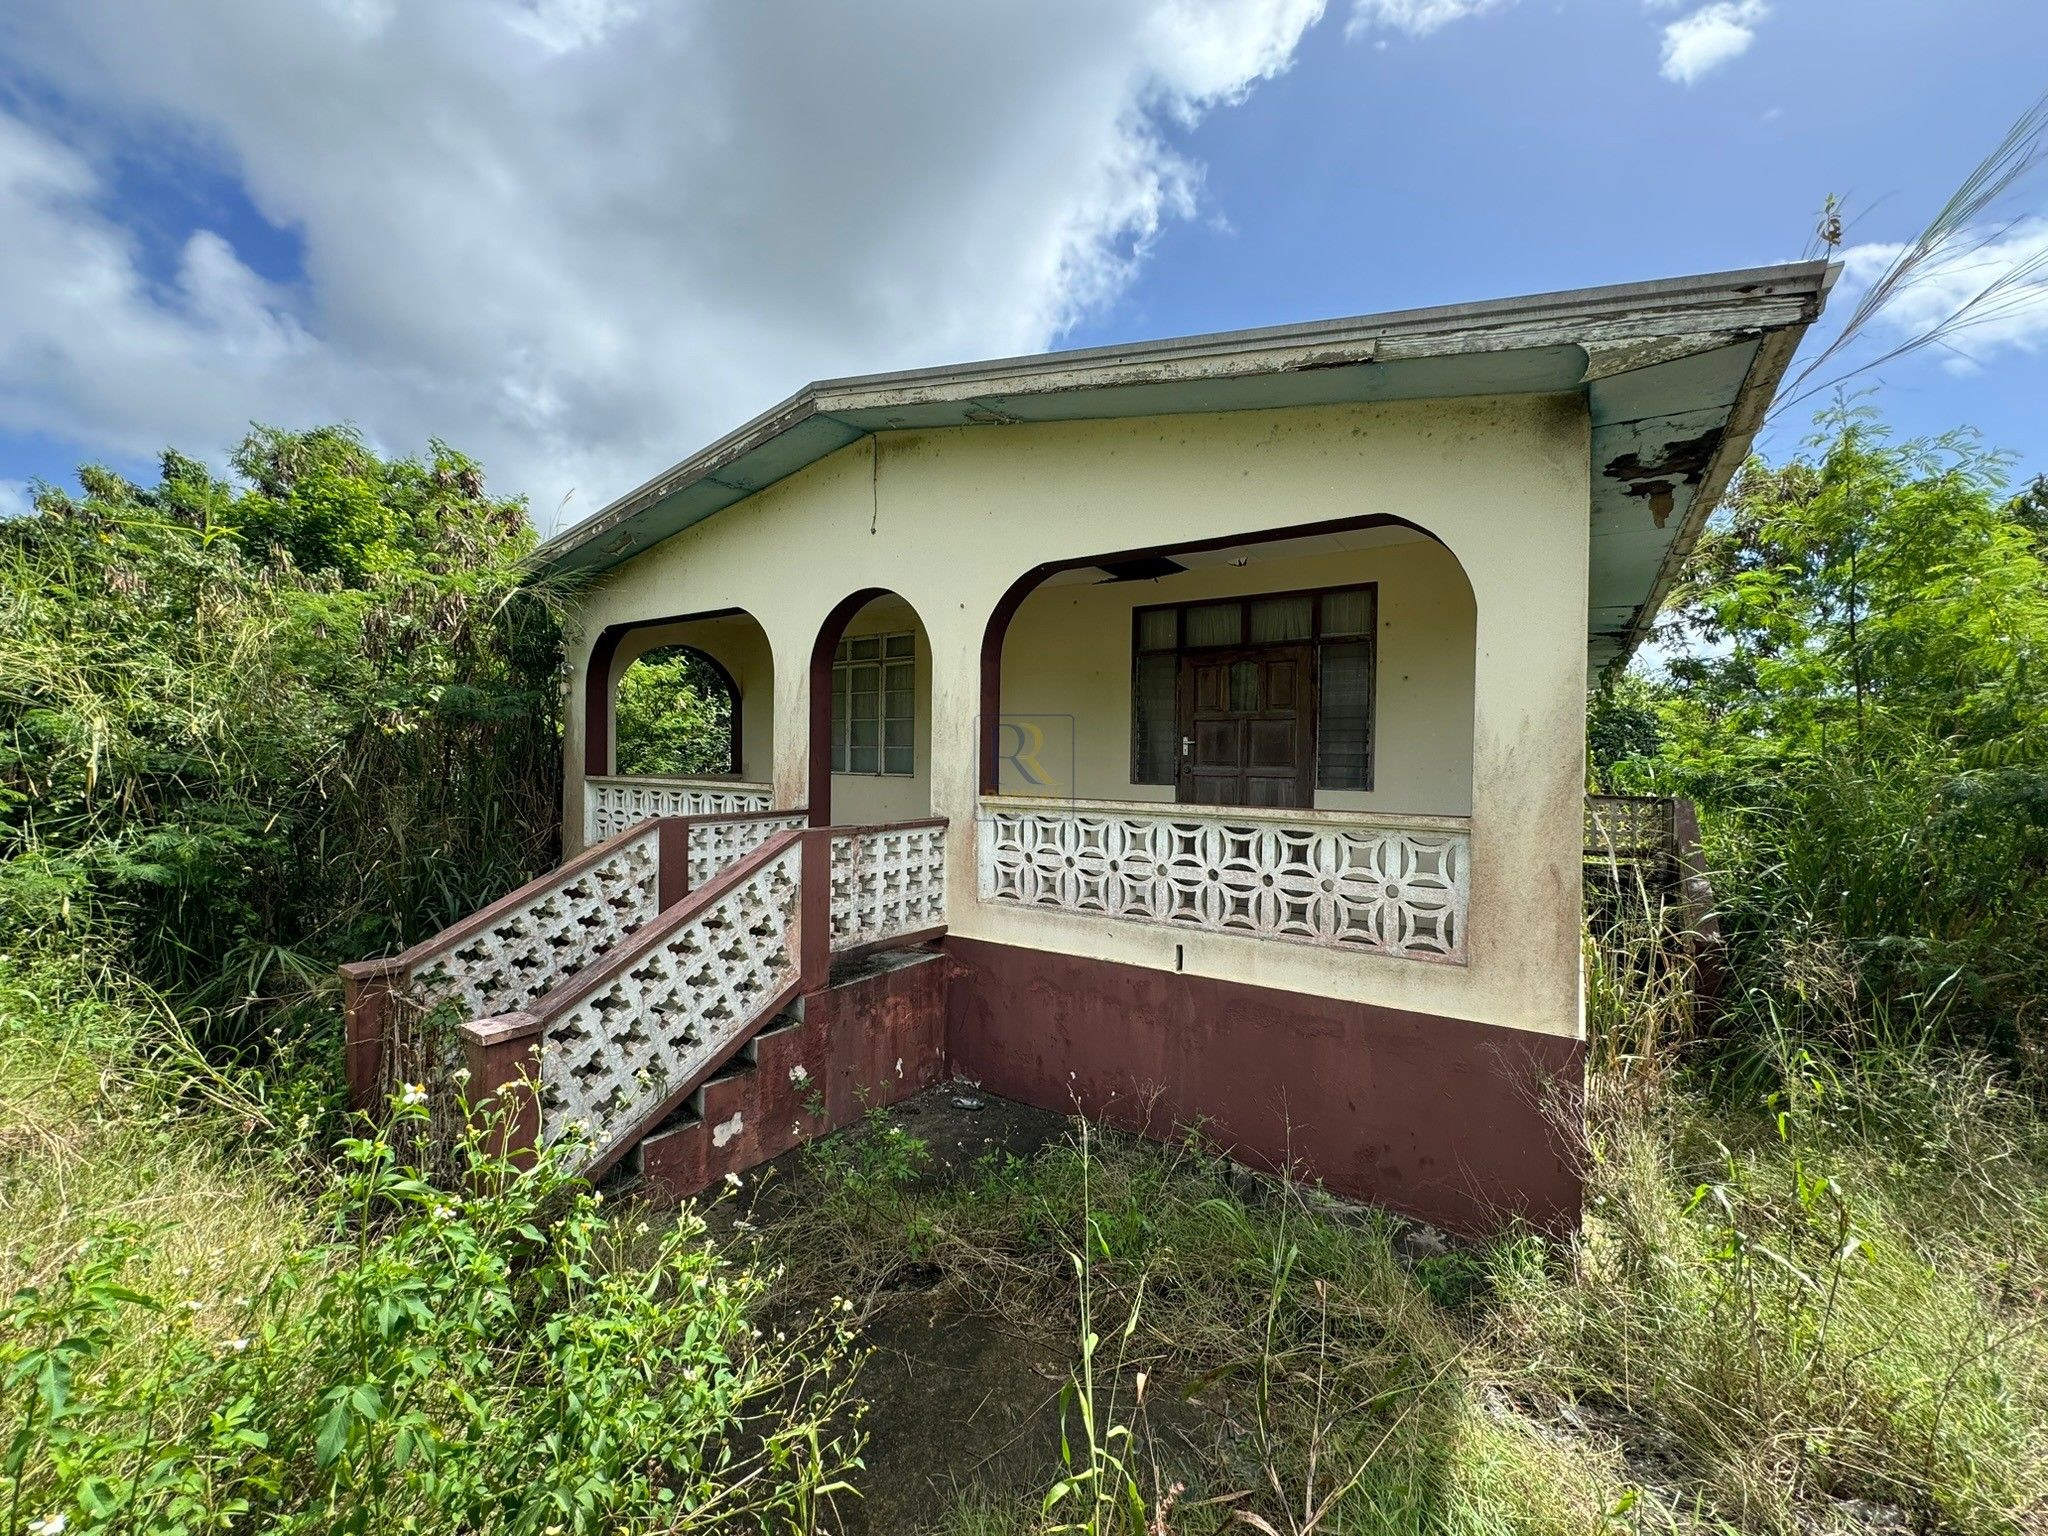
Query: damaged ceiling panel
(1677, 375)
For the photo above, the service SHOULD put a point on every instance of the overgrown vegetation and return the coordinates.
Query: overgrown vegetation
(250, 728)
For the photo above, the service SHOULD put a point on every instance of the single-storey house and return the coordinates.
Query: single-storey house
(1189, 733)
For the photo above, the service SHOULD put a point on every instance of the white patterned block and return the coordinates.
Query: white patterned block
(554, 933)
(887, 883)
(1349, 885)
(719, 844)
(610, 1058)
(610, 805)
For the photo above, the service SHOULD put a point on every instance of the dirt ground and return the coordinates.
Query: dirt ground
(960, 1399)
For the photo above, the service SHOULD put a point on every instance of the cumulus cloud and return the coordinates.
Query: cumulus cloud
(1986, 292)
(1418, 18)
(1709, 37)
(579, 237)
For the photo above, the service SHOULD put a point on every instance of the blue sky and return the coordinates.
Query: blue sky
(581, 237)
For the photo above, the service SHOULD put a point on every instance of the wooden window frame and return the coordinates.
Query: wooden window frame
(840, 751)
(1315, 641)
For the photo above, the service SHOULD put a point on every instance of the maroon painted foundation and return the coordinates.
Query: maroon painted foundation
(866, 1042)
(1457, 1123)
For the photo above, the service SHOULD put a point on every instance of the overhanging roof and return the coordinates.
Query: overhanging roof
(1677, 375)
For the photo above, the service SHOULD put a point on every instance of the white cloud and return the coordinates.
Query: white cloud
(2014, 258)
(579, 238)
(14, 498)
(1709, 37)
(1418, 18)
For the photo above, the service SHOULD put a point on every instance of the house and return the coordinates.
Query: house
(1188, 733)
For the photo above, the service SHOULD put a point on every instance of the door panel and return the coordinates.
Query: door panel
(1247, 727)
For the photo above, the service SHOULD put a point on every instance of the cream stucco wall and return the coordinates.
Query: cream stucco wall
(863, 799)
(739, 645)
(951, 518)
(1067, 671)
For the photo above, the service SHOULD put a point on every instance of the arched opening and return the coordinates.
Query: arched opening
(676, 713)
(1326, 667)
(871, 713)
(678, 719)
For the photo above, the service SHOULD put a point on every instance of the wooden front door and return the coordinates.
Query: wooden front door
(1247, 727)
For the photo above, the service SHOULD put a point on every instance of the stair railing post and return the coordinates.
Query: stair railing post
(503, 1058)
(366, 1002)
(814, 916)
(672, 861)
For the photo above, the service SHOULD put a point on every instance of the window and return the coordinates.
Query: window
(874, 705)
(1338, 623)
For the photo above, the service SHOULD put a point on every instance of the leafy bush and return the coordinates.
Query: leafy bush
(491, 1356)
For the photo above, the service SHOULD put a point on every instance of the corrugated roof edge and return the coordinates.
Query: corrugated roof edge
(1484, 326)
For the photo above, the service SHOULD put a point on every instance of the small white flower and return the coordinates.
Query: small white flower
(743, 1225)
(49, 1525)
(597, 1197)
(195, 1306)
(797, 1074)
(413, 1095)
(460, 1075)
(641, 1230)
(733, 1179)
(444, 1213)
(238, 1345)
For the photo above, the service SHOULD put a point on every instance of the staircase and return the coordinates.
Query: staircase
(602, 1002)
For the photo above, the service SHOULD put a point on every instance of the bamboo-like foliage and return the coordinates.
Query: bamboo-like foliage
(254, 727)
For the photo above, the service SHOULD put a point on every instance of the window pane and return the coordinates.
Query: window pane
(1152, 721)
(839, 755)
(898, 760)
(1275, 619)
(1344, 726)
(865, 733)
(840, 651)
(1215, 624)
(896, 705)
(1348, 612)
(865, 647)
(1244, 685)
(900, 675)
(897, 645)
(896, 733)
(1156, 628)
(865, 759)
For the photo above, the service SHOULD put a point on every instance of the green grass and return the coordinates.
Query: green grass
(204, 1326)
(1775, 1309)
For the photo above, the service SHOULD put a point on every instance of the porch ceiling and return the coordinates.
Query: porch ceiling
(1677, 375)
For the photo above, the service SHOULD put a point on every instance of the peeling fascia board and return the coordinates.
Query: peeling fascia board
(1614, 325)
(1745, 419)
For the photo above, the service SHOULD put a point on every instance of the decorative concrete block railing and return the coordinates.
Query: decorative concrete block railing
(1631, 828)
(506, 957)
(616, 1049)
(614, 803)
(595, 999)
(1395, 885)
(888, 883)
(718, 842)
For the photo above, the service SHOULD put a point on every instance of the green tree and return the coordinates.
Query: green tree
(673, 715)
(254, 727)
(1858, 692)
